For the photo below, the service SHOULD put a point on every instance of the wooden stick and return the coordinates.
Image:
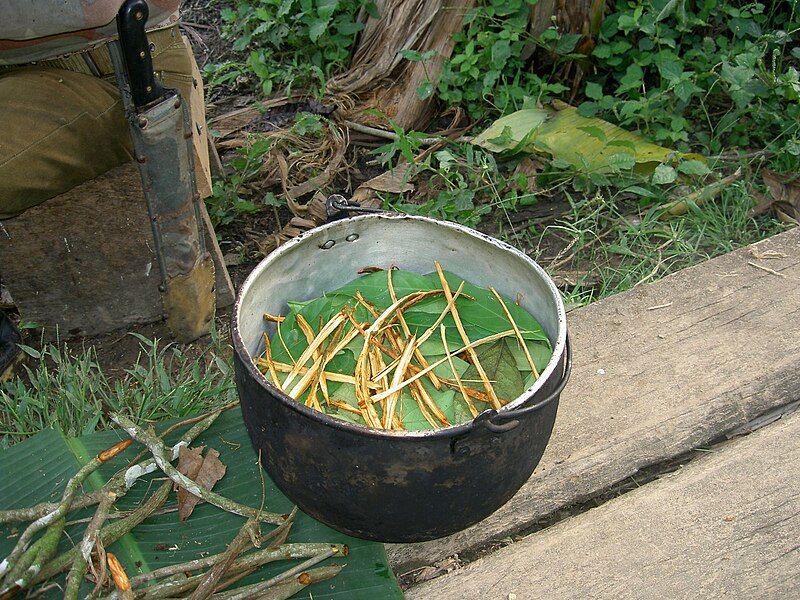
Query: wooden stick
(243, 540)
(121, 581)
(159, 452)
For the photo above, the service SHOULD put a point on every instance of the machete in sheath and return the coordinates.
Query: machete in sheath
(162, 141)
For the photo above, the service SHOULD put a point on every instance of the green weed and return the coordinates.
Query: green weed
(287, 44)
(704, 76)
(229, 199)
(68, 390)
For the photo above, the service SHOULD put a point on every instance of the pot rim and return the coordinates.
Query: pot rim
(243, 354)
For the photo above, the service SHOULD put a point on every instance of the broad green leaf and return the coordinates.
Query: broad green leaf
(480, 313)
(36, 470)
(425, 90)
(540, 354)
(564, 134)
(594, 91)
(316, 29)
(500, 366)
(694, 167)
(664, 174)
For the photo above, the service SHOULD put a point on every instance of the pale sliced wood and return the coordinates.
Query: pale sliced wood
(649, 385)
(724, 526)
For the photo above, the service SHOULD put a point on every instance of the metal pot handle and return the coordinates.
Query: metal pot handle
(500, 422)
(339, 207)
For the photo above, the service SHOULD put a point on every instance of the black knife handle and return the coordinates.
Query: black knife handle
(131, 21)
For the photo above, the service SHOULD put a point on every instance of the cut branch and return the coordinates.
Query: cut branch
(159, 451)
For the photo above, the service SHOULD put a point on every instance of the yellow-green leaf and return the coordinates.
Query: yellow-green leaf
(588, 144)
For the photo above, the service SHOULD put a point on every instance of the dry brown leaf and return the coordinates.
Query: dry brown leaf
(530, 168)
(206, 471)
(785, 200)
(390, 182)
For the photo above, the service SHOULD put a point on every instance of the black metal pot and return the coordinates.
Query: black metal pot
(395, 486)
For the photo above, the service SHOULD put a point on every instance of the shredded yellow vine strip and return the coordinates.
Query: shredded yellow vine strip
(342, 405)
(269, 362)
(430, 331)
(399, 372)
(461, 387)
(422, 372)
(362, 373)
(402, 320)
(423, 405)
(329, 375)
(320, 363)
(518, 333)
(329, 327)
(420, 394)
(494, 400)
(414, 369)
(309, 333)
(274, 318)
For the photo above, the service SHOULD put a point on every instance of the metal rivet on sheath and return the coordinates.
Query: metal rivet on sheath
(142, 54)
(142, 122)
(141, 159)
(139, 15)
(352, 237)
(327, 245)
(162, 288)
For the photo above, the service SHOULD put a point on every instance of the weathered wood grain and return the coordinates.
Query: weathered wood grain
(724, 526)
(652, 383)
(83, 263)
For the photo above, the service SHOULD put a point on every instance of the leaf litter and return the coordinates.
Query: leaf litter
(397, 350)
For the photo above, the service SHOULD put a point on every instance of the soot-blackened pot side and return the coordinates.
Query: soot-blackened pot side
(390, 488)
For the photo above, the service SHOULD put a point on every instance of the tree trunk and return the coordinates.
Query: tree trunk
(382, 77)
(386, 81)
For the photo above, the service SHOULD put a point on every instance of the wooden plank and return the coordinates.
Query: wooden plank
(725, 526)
(652, 383)
(83, 263)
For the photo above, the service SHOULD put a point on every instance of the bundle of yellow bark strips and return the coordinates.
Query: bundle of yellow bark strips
(396, 350)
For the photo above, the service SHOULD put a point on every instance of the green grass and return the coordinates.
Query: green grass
(69, 390)
(612, 248)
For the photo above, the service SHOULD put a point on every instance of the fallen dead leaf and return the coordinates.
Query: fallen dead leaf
(395, 181)
(205, 470)
(785, 197)
(530, 168)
